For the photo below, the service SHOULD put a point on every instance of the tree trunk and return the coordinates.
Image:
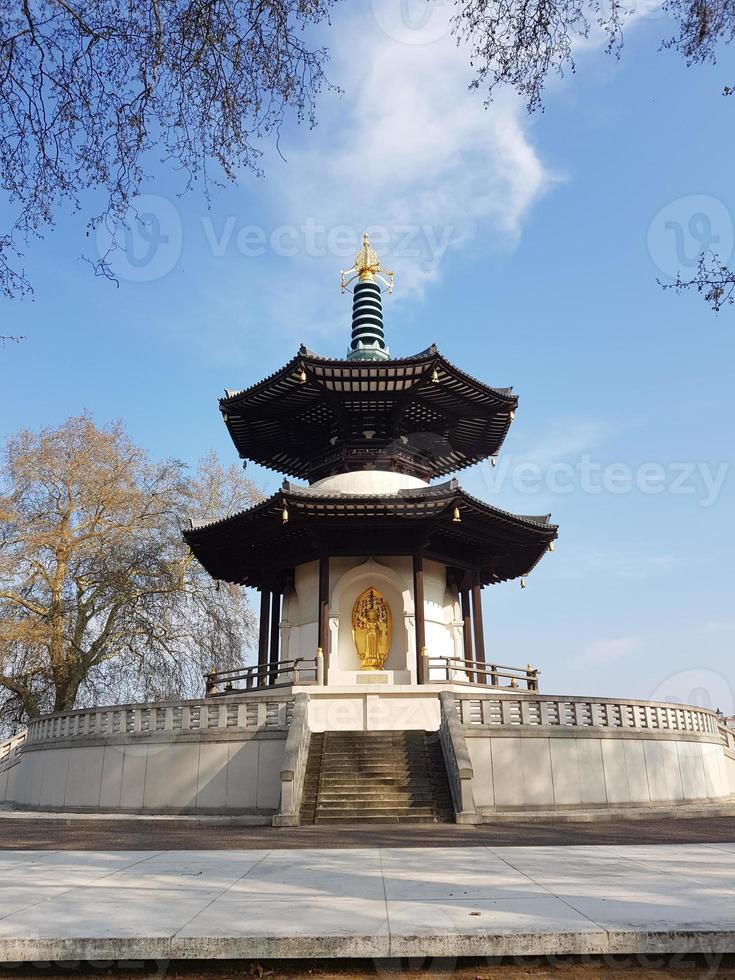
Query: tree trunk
(66, 694)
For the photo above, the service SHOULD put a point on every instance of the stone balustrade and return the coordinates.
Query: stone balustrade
(293, 768)
(550, 712)
(728, 739)
(10, 749)
(457, 760)
(170, 718)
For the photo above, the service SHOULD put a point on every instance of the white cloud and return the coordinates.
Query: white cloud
(408, 149)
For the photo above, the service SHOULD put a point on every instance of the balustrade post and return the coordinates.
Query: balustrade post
(425, 665)
(543, 712)
(505, 711)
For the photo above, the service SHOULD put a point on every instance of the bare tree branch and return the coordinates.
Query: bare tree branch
(519, 43)
(713, 279)
(88, 89)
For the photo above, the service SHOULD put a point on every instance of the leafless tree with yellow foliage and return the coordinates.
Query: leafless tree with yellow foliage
(99, 596)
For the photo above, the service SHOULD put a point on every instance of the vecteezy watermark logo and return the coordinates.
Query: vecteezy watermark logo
(701, 480)
(422, 244)
(697, 686)
(414, 21)
(148, 245)
(686, 228)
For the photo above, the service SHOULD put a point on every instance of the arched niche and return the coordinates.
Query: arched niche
(393, 583)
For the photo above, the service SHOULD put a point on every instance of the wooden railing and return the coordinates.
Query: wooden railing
(10, 749)
(546, 711)
(170, 718)
(458, 671)
(300, 671)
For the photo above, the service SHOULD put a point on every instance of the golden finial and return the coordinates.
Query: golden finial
(367, 268)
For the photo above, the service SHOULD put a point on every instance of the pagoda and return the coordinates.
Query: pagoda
(371, 568)
(374, 698)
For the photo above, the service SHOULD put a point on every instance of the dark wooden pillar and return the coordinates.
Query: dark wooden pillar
(418, 604)
(263, 634)
(478, 628)
(464, 598)
(323, 618)
(275, 636)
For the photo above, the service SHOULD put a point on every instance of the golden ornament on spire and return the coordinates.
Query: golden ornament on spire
(367, 268)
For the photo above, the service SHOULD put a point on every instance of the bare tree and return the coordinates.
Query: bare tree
(89, 87)
(99, 595)
(520, 42)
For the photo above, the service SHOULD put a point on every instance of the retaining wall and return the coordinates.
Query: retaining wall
(541, 752)
(177, 757)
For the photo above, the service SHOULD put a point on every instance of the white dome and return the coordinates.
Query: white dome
(367, 482)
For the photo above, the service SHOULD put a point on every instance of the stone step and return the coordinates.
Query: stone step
(374, 785)
(373, 806)
(358, 792)
(371, 759)
(396, 777)
(380, 803)
(408, 817)
(379, 772)
(368, 764)
(361, 789)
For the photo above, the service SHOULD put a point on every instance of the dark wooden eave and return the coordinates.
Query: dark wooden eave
(419, 415)
(257, 548)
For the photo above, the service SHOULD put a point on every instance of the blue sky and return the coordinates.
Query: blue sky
(528, 248)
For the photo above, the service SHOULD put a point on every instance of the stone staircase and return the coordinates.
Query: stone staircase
(376, 777)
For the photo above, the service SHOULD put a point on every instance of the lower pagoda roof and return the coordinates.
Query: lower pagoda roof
(257, 547)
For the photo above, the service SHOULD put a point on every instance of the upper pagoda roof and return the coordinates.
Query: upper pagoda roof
(419, 415)
(298, 524)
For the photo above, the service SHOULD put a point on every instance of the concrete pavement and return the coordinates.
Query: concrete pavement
(366, 902)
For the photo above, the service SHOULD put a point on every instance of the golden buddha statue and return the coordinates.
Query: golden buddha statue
(372, 627)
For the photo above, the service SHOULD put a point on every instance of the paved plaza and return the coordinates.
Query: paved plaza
(366, 902)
